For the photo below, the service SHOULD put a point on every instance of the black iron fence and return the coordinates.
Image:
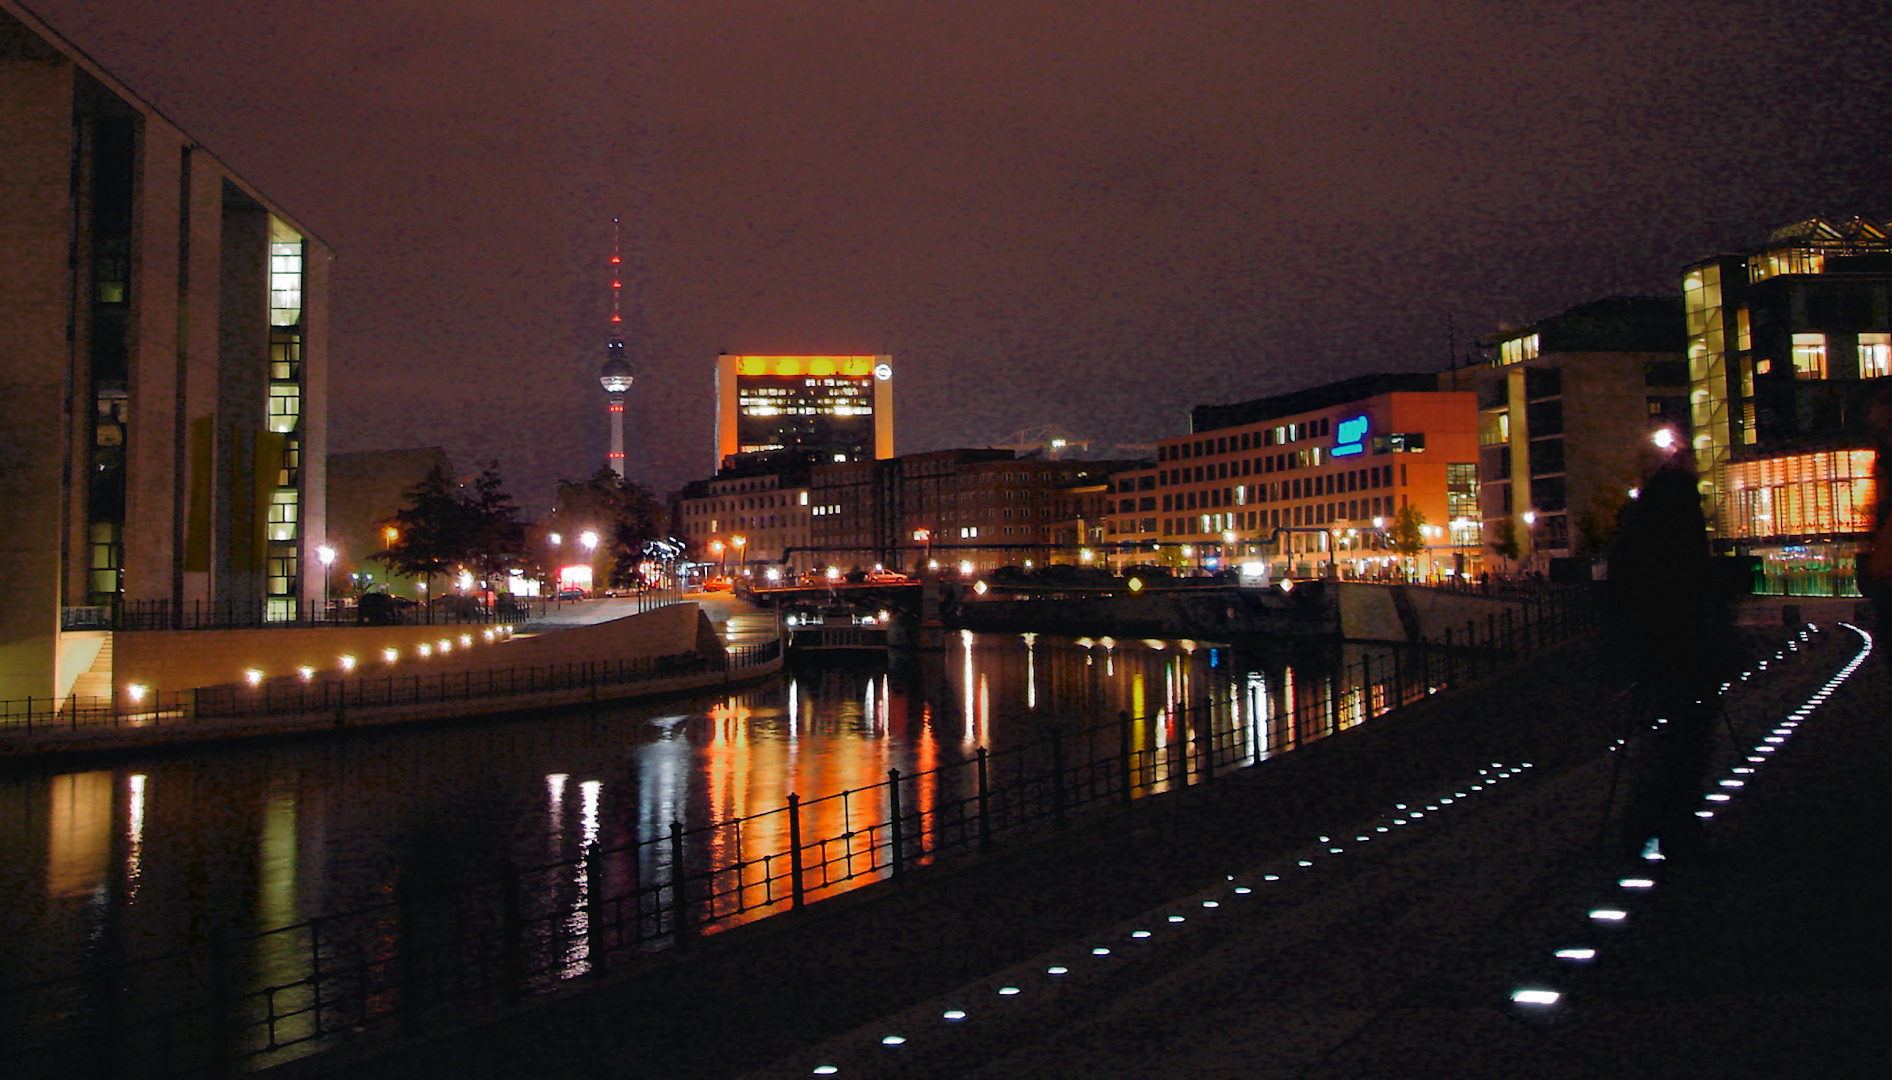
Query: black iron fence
(300, 696)
(424, 958)
(375, 609)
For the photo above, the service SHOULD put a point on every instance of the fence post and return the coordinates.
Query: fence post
(1057, 776)
(597, 942)
(985, 808)
(1399, 682)
(1123, 754)
(794, 851)
(512, 933)
(1207, 738)
(680, 910)
(895, 841)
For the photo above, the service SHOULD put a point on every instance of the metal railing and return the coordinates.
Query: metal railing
(372, 609)
(424, 958)
(294, 696)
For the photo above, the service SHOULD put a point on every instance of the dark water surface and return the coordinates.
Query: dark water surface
(149, 856)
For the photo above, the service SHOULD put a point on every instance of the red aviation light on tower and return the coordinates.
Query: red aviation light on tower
(615, 375)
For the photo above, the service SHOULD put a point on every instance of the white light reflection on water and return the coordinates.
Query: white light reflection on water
(470, 799)
(968, 703)
(578, 923)
(1031, 670)
(135, 838)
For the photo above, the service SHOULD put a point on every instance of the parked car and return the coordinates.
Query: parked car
(570, 594)
(719, 584)
(886, 577)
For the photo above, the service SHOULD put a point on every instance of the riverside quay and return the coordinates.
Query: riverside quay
(983, 843)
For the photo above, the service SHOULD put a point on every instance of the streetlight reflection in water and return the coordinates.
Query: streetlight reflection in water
(251, 837)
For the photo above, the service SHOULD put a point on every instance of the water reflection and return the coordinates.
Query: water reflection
(248, 839)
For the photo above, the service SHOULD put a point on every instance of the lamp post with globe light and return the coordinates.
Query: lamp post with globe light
(326, 556)
(589, 541)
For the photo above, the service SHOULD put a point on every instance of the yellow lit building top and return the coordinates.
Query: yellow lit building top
(788, 367)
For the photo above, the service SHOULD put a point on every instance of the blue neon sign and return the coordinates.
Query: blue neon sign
(1350, 438)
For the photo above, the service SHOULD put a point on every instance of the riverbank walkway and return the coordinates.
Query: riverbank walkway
(1213, 933)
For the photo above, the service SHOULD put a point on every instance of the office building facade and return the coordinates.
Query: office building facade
(1311, 477)
(971, 510)
(162, 352)
(1567, 408)
(825, 408)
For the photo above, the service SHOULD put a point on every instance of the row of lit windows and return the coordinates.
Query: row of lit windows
(1309, 458)
(1280, 435)
(1801, 495)
(1810, 356)
(1335, 483)
(1518, 350)
(1311, 515)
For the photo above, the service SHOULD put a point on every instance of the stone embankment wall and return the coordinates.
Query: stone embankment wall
(1406, 613)
(166, 660)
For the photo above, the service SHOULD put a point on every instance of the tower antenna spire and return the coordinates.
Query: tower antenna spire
(615, 375)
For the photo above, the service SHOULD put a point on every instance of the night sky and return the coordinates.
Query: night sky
(1090, 214)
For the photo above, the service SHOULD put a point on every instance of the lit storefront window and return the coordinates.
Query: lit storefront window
(1803, 495)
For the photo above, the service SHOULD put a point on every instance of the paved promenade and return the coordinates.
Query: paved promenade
(1394, 956)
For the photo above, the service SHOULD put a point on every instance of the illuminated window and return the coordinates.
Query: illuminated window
(1518, 350)
(285, 276)
(285, 406)
(282, 515)
(1809, 356)
(1875, 355)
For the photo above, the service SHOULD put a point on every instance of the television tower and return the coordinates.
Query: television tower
(615, 375)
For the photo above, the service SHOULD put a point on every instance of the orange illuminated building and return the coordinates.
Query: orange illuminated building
(826, 408)
(1310, 478)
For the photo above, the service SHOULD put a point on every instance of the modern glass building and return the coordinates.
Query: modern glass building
(1787, 344)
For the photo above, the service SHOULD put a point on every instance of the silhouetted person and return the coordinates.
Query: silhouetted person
(1675, 620)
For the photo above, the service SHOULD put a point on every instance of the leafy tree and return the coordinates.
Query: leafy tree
(1504, 541)
(496, 540)
(444, 526)
(1407, 532)
(626, 516)
(431, 530)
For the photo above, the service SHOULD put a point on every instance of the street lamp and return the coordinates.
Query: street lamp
(589, 541)
(722, 562)
(326, 556)
(739, 541)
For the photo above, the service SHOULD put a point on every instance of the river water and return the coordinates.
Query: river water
(151, 854)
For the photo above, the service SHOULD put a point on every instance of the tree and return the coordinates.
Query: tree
(1504, 542)
(431, 530)
(496, 540)
(1407, 533)
(444, 526)
(625, 514)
